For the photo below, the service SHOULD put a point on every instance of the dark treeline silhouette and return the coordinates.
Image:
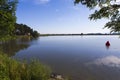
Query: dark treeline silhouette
(22, 29)
(79, 34)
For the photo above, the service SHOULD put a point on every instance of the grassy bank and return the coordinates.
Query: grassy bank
(11, 69)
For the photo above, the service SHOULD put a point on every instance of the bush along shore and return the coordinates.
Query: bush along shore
(11, 69)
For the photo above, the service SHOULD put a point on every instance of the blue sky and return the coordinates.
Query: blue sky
(57, 16)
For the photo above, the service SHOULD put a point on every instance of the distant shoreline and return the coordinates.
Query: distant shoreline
(74, 34)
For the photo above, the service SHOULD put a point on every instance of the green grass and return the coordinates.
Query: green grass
(11, 69)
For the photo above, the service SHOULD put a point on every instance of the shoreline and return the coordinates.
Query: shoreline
(78, 34)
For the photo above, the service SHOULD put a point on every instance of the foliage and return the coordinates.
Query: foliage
(22, 29)
(7, 16)
(11, 69)
(107, 9)
(8, 23)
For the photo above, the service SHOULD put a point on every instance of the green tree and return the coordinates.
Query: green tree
(105, 9)
(22, 29)
(7, 17)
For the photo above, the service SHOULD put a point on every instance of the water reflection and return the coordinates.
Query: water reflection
(107, 47)
(68, 55)
(13, 46)
(110, 61)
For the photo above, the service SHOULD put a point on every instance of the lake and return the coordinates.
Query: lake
(77, 57)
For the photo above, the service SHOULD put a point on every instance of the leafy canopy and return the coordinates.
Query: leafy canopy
(7, 16)
(105, 9)
(22, 29)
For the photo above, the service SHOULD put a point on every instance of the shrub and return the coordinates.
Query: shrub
(11, 69)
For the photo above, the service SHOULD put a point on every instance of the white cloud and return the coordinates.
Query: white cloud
(41, 1)
(117, 0)
(111, 61)
(36, 1)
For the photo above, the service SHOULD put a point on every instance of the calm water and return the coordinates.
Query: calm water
(78, 57)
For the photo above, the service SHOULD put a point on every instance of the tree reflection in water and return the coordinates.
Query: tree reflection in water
(13, 46)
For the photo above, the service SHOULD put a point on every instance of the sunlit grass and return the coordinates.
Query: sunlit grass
(11, 69)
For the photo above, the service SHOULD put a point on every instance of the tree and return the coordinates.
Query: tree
(22, 29)
(106, 9)
(7, 16)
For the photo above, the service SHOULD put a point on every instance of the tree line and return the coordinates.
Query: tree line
(109, 9)
(23, 29)
(8, 25)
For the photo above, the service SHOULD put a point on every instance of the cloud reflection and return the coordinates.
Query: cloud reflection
(111, 61)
